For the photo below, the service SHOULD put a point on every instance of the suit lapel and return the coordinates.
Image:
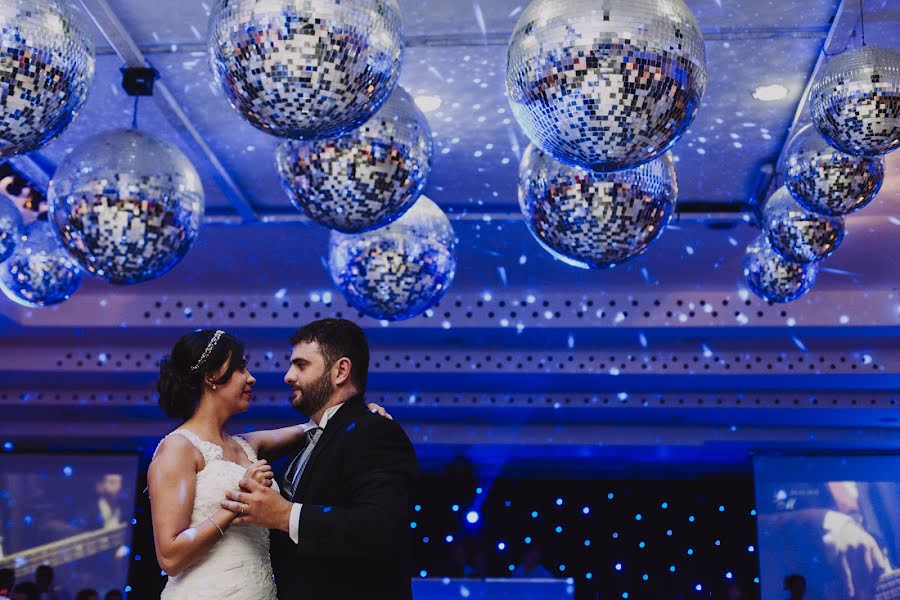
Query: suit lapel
(333, 429)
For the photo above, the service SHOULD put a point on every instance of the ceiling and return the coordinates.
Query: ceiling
(255, 253)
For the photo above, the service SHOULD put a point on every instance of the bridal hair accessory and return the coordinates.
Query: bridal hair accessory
(209, 347)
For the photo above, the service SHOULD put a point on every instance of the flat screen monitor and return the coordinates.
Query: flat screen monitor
(829, 524)
(71, 512)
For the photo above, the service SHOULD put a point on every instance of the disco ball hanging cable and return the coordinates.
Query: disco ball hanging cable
(862, 34)
(137, 82)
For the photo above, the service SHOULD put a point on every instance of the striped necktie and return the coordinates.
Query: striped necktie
(295, 469)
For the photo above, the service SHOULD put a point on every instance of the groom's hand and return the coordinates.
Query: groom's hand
(259, 505)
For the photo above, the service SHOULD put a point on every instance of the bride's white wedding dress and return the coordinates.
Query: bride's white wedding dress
(238, 566)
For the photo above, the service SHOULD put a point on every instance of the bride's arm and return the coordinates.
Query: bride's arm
(172, 480)
(272, 444)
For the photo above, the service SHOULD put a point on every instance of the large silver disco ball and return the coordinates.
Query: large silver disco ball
(595, 220)
(366, 178)
(398, 271)
(798, 233)
(46, 69)
(826, 180)
(11, 227)
(855, 101)
(40, 272)
(773, 277)
(126, 205)
(306, 69)
(605, 85)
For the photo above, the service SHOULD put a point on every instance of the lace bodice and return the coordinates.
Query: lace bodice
(238, 566)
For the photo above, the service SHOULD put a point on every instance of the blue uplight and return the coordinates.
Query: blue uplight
(472, 517)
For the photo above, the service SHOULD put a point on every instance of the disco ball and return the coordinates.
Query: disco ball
(365, 179)
(46, 69)
(398, 271)
(40, 272)
(306, 69)
(595, 220)
(855, 101)
(826, 180)
(774, 278)
(798, 233)
(11, 227)
(126, 205)
(605, 85)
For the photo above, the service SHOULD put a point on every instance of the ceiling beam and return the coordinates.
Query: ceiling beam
(801, 115)
(501, 38)
(127, 49)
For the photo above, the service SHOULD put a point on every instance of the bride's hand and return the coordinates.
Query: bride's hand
(261, 471)
(378, 409)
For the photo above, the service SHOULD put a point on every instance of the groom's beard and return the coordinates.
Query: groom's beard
(313, 396)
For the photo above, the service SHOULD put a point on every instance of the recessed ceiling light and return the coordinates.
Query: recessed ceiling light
(770, 93)
(428, 103)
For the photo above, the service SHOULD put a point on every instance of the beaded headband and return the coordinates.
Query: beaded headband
(209, 347)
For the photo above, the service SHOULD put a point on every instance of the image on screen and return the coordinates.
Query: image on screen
(72, 512)
(829, 525)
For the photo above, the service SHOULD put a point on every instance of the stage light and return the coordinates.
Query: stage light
(428, 103)
(472, 517)
(770, 93)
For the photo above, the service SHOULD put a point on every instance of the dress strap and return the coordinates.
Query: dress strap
(248, 449)
(208, 450)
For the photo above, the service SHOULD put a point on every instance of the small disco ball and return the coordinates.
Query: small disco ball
(366, 178)
(11, 227)
(126, 205)
(306, 69)
(40, 272)
(827, 181)
(798, 233)
(398, 271)
(595, 220)
(855, 101)
(774, 278)
(605, 85)
(46, 69)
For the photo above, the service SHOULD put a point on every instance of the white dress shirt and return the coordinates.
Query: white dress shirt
(294, 529)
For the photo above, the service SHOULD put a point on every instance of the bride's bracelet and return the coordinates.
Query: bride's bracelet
(210, 519)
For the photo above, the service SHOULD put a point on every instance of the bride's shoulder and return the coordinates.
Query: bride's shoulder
(176, 447)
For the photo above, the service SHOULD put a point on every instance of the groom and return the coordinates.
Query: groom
(341, 524)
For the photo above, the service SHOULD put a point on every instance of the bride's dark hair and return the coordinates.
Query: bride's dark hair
(182, 372)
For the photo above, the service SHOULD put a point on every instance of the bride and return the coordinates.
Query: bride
(204, 382)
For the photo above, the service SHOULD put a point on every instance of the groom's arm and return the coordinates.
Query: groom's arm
(382, 466)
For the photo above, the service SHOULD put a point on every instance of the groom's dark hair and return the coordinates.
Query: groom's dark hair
(338, 338)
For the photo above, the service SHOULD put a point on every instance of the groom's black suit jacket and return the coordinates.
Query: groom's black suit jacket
(354, 524)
